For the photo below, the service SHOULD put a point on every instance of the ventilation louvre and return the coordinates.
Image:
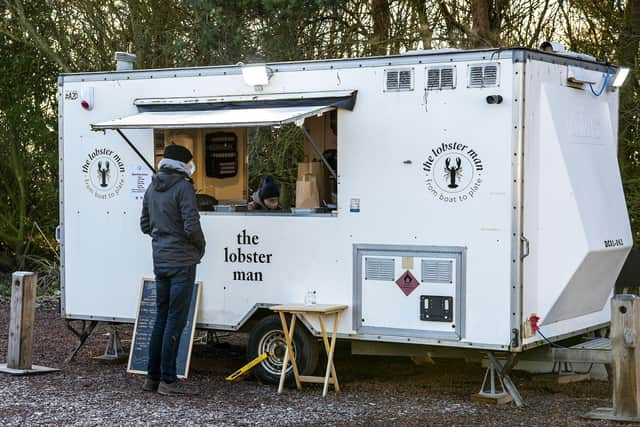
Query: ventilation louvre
(392, 80)
(485, 75)
(406, 80)
(437, 271)
(447, 79)
(399, 79)
(441, 78)
(383, 269)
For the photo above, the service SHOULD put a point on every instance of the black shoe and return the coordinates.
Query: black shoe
(175, 389)
(150, 385)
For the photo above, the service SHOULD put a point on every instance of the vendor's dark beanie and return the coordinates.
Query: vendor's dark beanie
(177, 152)
(269, 188)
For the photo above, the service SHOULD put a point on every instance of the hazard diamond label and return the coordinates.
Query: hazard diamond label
(407, 283)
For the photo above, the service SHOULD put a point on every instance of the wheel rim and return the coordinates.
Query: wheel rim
(274, 344)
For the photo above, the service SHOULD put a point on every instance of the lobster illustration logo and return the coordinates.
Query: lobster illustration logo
(103, 173)
(452, 173)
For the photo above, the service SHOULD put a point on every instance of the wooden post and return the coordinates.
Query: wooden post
(21, 322)
(625, 326)
(625, 351)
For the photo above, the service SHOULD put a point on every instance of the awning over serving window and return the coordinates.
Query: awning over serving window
(230, 111)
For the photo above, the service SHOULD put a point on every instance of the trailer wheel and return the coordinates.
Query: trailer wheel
(267, 336)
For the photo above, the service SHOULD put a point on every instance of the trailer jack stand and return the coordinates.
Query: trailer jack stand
(508, 391)
(113, 352)
(82, 334)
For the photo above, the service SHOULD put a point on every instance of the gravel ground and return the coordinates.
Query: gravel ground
(376, 390)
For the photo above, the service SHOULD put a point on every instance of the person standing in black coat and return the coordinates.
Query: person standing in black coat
(170, 216)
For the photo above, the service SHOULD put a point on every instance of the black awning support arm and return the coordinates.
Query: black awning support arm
(136, 150)
(307, 136)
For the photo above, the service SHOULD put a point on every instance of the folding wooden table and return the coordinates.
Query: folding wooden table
(322, 310)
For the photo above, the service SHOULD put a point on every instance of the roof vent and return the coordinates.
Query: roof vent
(439, 78)
(553, 47)
(399, 79)
(125, 61)
(549, 46)
(483, 75)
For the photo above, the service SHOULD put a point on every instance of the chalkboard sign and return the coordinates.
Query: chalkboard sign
(145, 318)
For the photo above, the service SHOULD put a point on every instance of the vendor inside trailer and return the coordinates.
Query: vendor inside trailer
(267, 197)
(238, 140)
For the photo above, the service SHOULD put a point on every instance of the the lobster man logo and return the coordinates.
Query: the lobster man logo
(453, 172)
(103, 173)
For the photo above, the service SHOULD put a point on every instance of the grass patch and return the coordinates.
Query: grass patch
(5, 285)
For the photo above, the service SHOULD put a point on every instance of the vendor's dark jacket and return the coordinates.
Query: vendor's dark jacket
(170, 216)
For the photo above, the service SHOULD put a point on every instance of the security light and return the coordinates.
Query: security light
(621, 77)
(256, 75)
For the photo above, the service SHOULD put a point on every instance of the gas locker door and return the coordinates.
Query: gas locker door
(410, 291)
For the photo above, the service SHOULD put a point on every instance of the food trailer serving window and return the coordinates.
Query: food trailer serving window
(215, 131)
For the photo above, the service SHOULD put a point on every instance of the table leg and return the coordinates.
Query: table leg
(330, 348)
(283, 374)
(288, 336)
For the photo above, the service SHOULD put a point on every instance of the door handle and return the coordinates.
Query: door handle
(524, 247)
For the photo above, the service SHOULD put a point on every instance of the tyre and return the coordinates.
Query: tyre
(267, 336)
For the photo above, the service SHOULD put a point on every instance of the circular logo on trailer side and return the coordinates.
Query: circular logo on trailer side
(104, 173)
(454, 172)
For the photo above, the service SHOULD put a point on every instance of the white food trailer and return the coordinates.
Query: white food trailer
(478, 196)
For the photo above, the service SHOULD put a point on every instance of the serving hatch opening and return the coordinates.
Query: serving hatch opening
(217, 129)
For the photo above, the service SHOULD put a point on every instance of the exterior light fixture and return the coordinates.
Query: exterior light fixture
(256, 75)
(620, 77)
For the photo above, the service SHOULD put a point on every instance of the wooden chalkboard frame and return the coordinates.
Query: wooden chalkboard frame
(198, 283)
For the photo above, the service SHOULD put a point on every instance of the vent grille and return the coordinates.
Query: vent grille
(437, 271)
(483, 75)
(441, 78)
(447, 78)
(380, 269)
(399, 79)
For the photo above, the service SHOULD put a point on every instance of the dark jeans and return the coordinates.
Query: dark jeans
(174, 286)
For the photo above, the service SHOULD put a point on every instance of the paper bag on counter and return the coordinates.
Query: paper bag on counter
(319, 171)
(307, 192)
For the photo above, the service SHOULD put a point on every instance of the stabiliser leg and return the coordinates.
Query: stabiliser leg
(85, 332)
(503, 371)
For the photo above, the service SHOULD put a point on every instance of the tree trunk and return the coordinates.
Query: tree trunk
(486, 17)
(481, 27)
(628, 43)
(381, 17)
(424, 28)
